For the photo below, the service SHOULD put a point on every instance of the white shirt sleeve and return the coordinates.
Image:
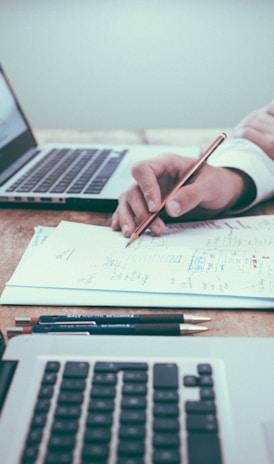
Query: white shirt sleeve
(247, 157)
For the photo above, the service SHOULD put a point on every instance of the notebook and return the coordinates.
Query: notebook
(80, 399)
(75, 176)
(225, 263)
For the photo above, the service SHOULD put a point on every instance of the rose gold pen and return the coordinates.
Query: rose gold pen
(192, 170)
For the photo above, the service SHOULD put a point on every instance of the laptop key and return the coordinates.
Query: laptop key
(135, 376)
(166, 396)
(130, 460)
(132, 417)
(165, 376)
(76, 369)
(204, 448)
(204, 369)
(67, 397)
(58, 458)
(200, 407)
(134, 402)
(202, 423)
(133, 366)
(206, 381)
(191, 381)
(95, 453)
(73, 384)
(103, 392)
(207, 393)
(64, 427)
(99, 420)
(42, 406)
(166, 440)
(105, 379)
(38, 420)
(67, 412)
(49, 378)
(101, 405)
(168, 457)
(131, 448)
(106, 367)
(136, 389)
(165, 425)
(34, 437)
(30, 454)
(100, 435)
(52, 366)
(132, 431)
(166, 410)
(46, 392)
(61, 442)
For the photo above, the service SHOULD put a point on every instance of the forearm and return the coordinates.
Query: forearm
(254, 168)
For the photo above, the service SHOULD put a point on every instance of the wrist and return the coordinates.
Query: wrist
(244, 189)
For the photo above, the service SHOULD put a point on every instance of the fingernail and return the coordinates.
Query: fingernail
(125, 229)
(151, 205)
(174, 207)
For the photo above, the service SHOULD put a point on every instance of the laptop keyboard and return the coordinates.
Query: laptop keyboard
(125, 413)
(84, 171)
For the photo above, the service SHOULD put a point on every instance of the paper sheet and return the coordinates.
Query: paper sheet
(230, 257)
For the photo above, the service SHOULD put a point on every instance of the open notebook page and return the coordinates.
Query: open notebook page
(231, 257)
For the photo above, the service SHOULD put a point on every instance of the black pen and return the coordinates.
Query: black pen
(111, 319)
(105, 329)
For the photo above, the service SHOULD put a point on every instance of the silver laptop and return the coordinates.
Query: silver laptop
(70, 175)
(77, 399)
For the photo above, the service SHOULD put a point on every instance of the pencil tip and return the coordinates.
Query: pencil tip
(132, 238)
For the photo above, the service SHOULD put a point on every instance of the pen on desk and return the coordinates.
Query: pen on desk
(111, 319)
(194, 168)
(106, 329)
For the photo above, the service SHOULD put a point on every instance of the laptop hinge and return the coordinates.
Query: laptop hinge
(18, 164)
(7, 370)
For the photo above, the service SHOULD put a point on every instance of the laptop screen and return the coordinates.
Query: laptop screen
(11, 122)
(16, 137)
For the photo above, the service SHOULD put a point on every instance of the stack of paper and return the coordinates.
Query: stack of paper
(222, 263)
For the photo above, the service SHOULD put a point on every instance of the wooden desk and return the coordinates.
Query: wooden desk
(16, 229)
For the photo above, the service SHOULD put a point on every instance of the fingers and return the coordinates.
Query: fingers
(154, 177)
(123, 218)
(131, 212)
(213, 190)
(186, 199)
(270, 108)
(258, 127)
(260, 120)
(146, 175)
(262, 139)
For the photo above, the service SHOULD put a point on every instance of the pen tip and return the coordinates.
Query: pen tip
(194, 319)
(191, 329)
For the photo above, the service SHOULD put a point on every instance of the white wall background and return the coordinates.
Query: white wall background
(138, 63)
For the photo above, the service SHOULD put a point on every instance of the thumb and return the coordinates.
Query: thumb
(186, 199)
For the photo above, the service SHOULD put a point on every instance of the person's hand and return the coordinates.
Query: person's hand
(211, 191)
(258, 127)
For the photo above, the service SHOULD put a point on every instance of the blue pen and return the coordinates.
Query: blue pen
(106, 329)
(61, 319)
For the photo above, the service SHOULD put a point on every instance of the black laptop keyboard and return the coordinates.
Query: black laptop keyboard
(125, 413)
(84, 171)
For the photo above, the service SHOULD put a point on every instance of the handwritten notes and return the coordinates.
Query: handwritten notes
(229, 257)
